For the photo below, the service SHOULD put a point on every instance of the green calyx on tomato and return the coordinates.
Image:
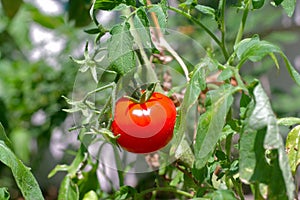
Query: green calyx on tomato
(145, 126)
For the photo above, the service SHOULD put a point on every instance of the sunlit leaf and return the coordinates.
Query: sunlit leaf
(24, 178)
(288, 121)
(196, 84)
(142, 26)
(255, 49)
(120, 49)
(289, 6)
(221, 195)
(211, 123)
(4, 137)
(262, 154)
(292, 147)
(206, 10)
(91, 195)
(4, 194)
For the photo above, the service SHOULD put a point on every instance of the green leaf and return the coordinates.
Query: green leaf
(91, 195)
(11, 7)
(58, 168)
(262, 154)
(257, 3)
(254, 49)
(289, 6)
(292, 147)
(278, 2)
(211, 123)
(221, 195)
(68, 190)
(293, 73)
(89, 181)
(125, 192)
(161, 16)
(77, 163)
(288, 121)
(141, 23)
(24, 178)
(206, 10)
(120, 49)
(4, 194)
(111, 4)
(196, 84)
(4, 137)
(185, 154)
(225, 74)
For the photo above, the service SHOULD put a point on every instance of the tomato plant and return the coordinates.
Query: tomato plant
(144, 127)
(224, 139)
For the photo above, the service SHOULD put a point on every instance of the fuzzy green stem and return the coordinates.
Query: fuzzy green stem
(119, 166)
(242, 24)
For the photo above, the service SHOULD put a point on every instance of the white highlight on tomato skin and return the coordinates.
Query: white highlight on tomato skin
(140, 113)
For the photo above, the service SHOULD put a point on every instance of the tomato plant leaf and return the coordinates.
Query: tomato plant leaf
(211, 123)
(141, 23)
(288, 121)
(108, 4)
(24, 178)
(125, 192)
(293, 73)
(4, 194)
(206, 10)
(257, 3)
(278, 2)
(255, 49)
(68, 189)
(289, 6)
(89, 181)
(4, 137)
(292, 147)
(161, 16)
(120, 50)
(196, 84)
(80, 158)
(262, 154)
(91, 195)
(220, 194)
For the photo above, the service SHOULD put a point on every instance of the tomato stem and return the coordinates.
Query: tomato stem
(140, 96)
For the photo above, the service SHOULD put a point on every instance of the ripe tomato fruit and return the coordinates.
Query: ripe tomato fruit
(144, 127)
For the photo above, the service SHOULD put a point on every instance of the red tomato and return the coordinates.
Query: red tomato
(145, 127)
